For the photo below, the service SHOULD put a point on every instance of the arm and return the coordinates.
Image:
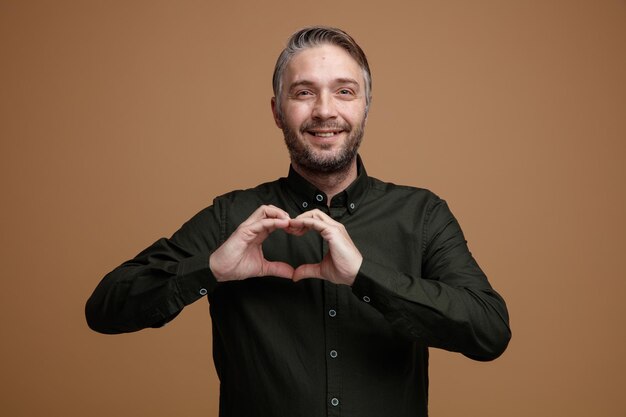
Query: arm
(152, 288)
(452, 306)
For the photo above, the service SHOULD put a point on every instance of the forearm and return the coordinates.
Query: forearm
(442, 299)
(149, 290)
(469, 320)
(153, 287)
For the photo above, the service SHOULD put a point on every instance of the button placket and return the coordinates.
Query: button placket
(332, 331)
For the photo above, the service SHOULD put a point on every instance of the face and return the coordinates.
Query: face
(323, 109)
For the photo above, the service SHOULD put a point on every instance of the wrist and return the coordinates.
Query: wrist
(215, 271)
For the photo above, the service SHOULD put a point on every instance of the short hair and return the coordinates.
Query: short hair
(311, 37)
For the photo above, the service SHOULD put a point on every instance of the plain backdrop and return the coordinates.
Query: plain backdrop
(121, 119)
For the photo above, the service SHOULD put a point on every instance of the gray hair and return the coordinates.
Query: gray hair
(310, 37)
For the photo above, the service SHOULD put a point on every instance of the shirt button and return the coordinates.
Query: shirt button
(319, 197)
(305, 204)
(332, 313)
(366, 299)
(202, 291)
(333, 354)
(334, 402)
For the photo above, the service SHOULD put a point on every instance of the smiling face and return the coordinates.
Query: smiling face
(323, 109)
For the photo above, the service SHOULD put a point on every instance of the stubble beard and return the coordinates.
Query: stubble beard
(314, 161)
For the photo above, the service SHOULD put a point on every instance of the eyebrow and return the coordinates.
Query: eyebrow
(308, 83)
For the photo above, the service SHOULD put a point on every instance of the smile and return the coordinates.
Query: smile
(324, 134)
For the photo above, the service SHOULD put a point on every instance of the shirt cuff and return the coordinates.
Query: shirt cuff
(194, 278)
(373, 284)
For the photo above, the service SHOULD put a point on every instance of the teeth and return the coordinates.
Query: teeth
(324, 134)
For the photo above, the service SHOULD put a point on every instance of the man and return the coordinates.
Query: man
(327, 287)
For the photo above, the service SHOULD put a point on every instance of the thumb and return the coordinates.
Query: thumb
(307, 271)
(278, 269)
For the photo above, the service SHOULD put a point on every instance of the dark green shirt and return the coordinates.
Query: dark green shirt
(314, 348)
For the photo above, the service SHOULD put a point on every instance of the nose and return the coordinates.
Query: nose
(324, 107)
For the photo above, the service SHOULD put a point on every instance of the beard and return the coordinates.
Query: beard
(315, 160)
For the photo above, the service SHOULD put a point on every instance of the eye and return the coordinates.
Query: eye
(303, 93)
(346, 94)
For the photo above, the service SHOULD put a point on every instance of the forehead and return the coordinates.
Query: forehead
(322, 64)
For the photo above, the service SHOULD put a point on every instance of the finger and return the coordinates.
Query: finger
(296, 230)
(307, 271)
(316, 214)
(266, 212)
(270, 211)
(303, 225)
(278, 269)
(314, 219)
(263, 227)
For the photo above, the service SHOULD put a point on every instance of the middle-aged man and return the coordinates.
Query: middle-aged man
(326, 288)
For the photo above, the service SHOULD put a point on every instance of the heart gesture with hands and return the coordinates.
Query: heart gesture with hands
(342, 261)
(241, 255)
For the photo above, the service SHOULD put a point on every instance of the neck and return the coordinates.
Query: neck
(331, 183)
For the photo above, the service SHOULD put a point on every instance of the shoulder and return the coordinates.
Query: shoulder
(241, 203)
(262, 192)
(424, 206)
(403, 201)
(406, 193)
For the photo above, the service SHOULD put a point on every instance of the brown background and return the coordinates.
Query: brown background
(121, 119)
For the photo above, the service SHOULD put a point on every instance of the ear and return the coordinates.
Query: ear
(275, 113)
(367, 111)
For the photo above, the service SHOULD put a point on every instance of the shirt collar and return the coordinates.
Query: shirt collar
(307, 196)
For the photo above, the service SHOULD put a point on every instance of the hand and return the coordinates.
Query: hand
(343, 260)
(241, 255)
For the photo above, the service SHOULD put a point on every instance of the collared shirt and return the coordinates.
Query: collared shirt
(313, 348)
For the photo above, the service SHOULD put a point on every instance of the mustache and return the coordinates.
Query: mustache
(332, 125)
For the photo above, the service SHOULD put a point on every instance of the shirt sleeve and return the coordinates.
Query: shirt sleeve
(153, 287)
(452, 306)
